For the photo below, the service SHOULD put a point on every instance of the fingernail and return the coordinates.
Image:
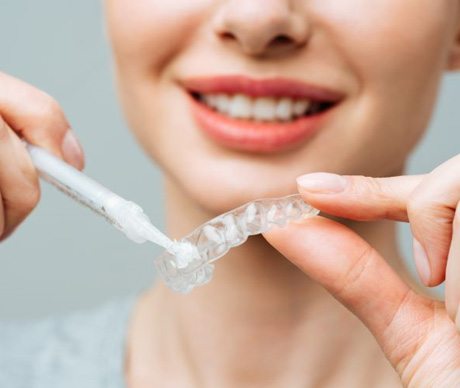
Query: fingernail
(72, 151)
(322, 182)
(421, 262)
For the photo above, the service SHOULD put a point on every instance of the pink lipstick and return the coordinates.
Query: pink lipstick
(259, 115)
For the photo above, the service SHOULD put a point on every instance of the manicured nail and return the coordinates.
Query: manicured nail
(421, 262)
(72, 151)
(322, 183)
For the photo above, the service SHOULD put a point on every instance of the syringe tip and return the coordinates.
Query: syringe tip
(184, 253)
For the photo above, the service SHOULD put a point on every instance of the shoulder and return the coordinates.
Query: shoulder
(83, 349)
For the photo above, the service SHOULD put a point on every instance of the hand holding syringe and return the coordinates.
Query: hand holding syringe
(188, 262)
(124, 215)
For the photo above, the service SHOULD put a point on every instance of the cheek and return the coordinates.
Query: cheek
(391, 43)
(145, 34)
(398, 51)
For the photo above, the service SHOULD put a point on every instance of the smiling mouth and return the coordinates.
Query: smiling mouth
(261, 109)
(259, 115)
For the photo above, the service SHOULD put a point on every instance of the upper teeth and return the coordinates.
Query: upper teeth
(258, 108)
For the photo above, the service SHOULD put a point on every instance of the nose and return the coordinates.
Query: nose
(261, 27)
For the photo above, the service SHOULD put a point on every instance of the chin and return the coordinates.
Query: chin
(230, 194)
(221, 180)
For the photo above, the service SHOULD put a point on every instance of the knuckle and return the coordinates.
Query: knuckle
(422, 206)
(48, 108)
(27, 195)
(30, 198)
(357, 270)
(20, 204)
(26, 171)
(373, 184)
(456, 220)
(401, 342)
(49, 114)
(367, 185)
(415, 205)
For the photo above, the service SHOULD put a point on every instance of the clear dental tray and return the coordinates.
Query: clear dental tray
(182, 271)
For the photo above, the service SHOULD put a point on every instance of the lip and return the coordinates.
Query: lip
(276, 87)
(258, 136)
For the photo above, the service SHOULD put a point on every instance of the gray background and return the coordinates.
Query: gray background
(64, 257)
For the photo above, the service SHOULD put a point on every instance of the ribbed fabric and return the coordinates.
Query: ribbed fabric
(80, 350)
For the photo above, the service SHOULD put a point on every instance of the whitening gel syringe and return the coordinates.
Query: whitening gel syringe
(124, 215)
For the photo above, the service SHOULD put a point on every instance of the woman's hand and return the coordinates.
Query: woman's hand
(419, 336)
(26, 112)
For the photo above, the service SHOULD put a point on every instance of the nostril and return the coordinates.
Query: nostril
(281, 40)
(227, 36)
(283, 43)
(260, 38)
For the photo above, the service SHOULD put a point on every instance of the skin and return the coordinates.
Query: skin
(338, 48)
(261, 321)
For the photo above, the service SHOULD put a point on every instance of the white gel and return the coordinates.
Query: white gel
(192, 264)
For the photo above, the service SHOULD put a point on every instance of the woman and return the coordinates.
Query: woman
(235, 100)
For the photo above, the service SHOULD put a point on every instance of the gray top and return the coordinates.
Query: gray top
(80, 350)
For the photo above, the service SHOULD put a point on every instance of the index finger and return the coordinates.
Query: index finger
(38, 118)
(355, 274)
(359, 198)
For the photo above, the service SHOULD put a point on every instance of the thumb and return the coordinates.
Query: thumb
(355, 274)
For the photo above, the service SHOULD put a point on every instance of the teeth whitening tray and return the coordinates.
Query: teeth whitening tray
(186, 263)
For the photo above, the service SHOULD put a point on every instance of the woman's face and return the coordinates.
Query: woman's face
(236, 98)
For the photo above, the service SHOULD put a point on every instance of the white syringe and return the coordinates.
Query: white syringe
(124, 215)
